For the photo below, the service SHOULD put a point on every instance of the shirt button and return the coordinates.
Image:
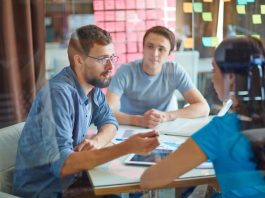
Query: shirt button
(86, 115)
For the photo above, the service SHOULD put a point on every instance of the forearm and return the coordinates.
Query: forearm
(84, 160)
(189, 155)
(192, 111)
(105, 134)
(128, 119)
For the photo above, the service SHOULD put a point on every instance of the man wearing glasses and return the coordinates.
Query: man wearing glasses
(144, 88)
(53, 147)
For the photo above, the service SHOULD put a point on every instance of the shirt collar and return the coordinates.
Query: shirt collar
(80, 90)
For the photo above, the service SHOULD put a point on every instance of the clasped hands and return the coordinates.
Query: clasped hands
(153, 117)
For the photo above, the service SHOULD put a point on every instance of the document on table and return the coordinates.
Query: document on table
(183, 126)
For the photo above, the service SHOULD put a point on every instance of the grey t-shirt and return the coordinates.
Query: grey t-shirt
(140, 92)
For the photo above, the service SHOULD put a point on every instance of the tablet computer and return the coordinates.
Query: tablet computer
(155, 156)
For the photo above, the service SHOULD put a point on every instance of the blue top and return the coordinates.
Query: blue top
(58, 120)
(231, 154)
(140, 92)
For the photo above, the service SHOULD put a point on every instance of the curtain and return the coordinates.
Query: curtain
(22, 57)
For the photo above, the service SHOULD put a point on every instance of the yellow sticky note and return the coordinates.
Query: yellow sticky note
(256, 19)
(188, 43)
(227, 0)
(187, 7)
(262, 9)
(207, 16)
(241, 9)
(256, 35)
(207, 0)
(197, 6)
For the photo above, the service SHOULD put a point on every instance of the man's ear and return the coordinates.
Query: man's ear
(78, 60)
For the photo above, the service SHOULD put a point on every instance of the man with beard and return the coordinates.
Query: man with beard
(53, 147)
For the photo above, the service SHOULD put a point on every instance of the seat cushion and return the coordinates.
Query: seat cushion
(8, 148)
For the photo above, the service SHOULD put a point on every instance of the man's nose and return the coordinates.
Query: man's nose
(155, 52)
(109, 65)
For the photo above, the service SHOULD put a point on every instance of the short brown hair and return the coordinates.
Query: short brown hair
(83, 39)
(163, 31)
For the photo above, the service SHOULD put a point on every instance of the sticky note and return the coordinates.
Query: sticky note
(197, 7)
(209, 41)
(262, 9)
(256, 35)
(256, 19)
(187, 7)
(109, 4)
(188, 43)
(207, 16)
(241, 9)
(227, 0)
(209, 1)
(98, 5)
(242, 2)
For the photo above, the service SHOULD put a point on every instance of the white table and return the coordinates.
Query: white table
(116, 177)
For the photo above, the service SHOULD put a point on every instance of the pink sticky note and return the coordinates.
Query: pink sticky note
(160, 14)
(113, 36)
(171, 3)
(99, 15)
(122, 59)
(151, 14)
(110, 26)
(120, 4)
(121, 36)
(101, 25)
(131, 36)
(131, 15)
(98, 5)
(120, 15)
(160, 4)
(141, 14)
(140, 46)
(109, 4)
(131, 26)
(131, 47)
(120, 26)
(160, 22)
(150, 24)
(150, 4)
(140, 4)
(141, 26)
(133, 56)
(120, 48)
(140, 36)
(130, 4)
(109, 15)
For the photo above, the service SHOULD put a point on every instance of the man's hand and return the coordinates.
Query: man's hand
(153, 117)
(142, 143)
(85, 145)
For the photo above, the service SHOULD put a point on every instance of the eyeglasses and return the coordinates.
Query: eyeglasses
(105, 60)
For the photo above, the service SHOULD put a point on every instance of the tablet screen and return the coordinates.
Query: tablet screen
(155, 156)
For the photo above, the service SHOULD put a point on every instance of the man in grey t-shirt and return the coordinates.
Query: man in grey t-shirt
(145, 87)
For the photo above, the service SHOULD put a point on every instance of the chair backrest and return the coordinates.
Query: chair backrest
(8, 148)
(189, 61)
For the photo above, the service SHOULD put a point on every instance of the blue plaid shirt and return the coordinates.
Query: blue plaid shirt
(57, 122)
